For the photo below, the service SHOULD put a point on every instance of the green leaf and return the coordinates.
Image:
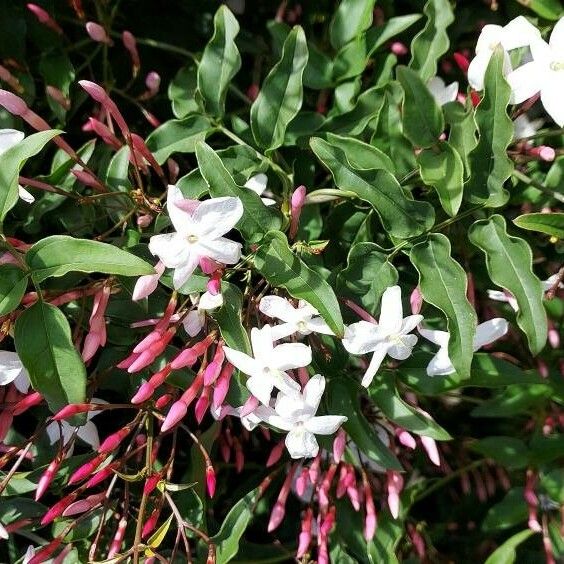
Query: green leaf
(318, 73)
(400, 216)
(234, 526)
(441, 167)
(178, 136)
(553, 484)
(57, 70)
(13, 283)
(367, 275)
(59, 254)
(377, 36)
(515, 400)
(44, 344)
(462, 131)
(506, 553)
(508, 451)
(344, 398)
(229, 319)
(423, 121)
(156, 539)
(489, 164)
(280, 97)
(12, 161)
(350, 20)
(182, 90)
(257, 218)
(510, 265)
(510, 511)
(385, 395)
(432, 42)
(220, 62)
(550, 223)
(282, 268)
(547, 9)
(443, 284)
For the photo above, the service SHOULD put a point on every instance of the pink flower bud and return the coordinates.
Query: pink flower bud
(73, 409)
(144, 220)
(406, 439)
(105, 133)
(275, 454)
(185, 358)
(58, 96)
(398, 48)
(430, 447)
(210, 480)
(151, 483)
(151, 523)
(544, 153)
(327, 523)
(296, 203)
(45, 552)
(140, 146)
(12, 103)
(100, 95)
(394, 485)
(202, 404)
(249, 406)
(153, 82)
(47, 478)
(145, 343)
(57, 509)
(44, 18)
(221, 387)
(102, 475)
(114, 440)
(213, 369)
(115, 547)
(97, 33)
(339, 445)
(83, 505)
(31, 400)
(354, 496)
(370, 521)
(214, 283)
(253, 92)
(130, 44)
(305, 533)
(147, 284)
(314, 469)
(279, 509)
(85, 470)
(462, 62)
(144, 393)
(176, 413)
(416, 300)
(163, 401)
(88, 179)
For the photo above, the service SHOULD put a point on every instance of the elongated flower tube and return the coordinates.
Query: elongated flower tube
(279, 509)
(44, 18)
(305, 534)
(370, 520)
(130, 43)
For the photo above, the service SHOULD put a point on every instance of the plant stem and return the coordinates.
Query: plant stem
(532, 182)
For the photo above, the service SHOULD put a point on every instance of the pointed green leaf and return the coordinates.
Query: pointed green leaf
(423, 121)
(443, 284)
(220, 62)
(510, 511)
(489, 164)
(13, 283)
(181, 92)
(510, 265)
(156, 539)
(12, 161)
(442, 168)
(508, 451)
(228, 318)
(432, 42)
(506, 554)
(360, 154)
(350, 20)
(550, 223)
(44, 343)
(282, 268)
(400, 216)
(462, 131)
(280, 97)
(257, 218)
(379, 35)
(59, 254)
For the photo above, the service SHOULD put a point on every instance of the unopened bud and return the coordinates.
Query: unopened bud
(97, 33)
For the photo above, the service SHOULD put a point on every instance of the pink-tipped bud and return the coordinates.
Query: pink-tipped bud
(176, 413)
(416, 300)
(86, 470)
(163, 401)
(323, 492)
(104, 132)
(115, 547)
(339, 445)
(88, 179)
(147, 284)
(153, 82)
(145, 392)
(83, 505)
(47, 478)
(58, 96)
(406, 439)
(130, 44)
(151, 523)
(462, 62)
(221, 387)
(275, 454)
(43, 555)
(100, 96)
(213, 369)
(249, 406)
(276, 516)
(210, 480)
(214, 283)
(44, 18)
(114, 440)
(544, 153)
(202, 404)
(151, 483)
(314, 469)
(302, 482)
(73, 409)
(12, 103)
(305, 533)
(431, 449)
(353, 494)
(144, 220)
(370, 521)
(145, 343)
(398, 48)
(296, 203)
(102, 475)
(57, 509)
(185, 358)
(31, 400)
(97, 33)
(395, 485)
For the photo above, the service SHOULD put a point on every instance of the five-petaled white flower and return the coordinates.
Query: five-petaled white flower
(486, 333)
(257, 184)
(12, 371)
(195, 320)
(544, 74)
(267, 368)
(500, 296)
(296, 414)
(199, 227)
(303, 320)
(9, 138)
(442, 93)
(517, 33)
(390, 337)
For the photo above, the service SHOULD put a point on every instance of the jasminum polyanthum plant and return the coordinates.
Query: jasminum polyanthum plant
(277, 285)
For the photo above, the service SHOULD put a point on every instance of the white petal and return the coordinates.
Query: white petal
(361, 337)
(9, 138)
(525, 81)
(171, 248)
(217, 216)
(324, 424)
(29, 554)
(557, 37)
(440, 364)
(524, 127)
(541, 53)
(3, 532)
(261, 387)
(313, 391)
(451, 92)
(180, 218)
(519, 32)
(10, 367)
(210, 301)
(184, 270)
(477, 69)
(280, 308)
(25, 195)
(380, 352)
(290, 355)
(318, 325)
(221, 249)
(261, 340)
(283, 382)
(268, 415)
(257, 183)
(301, 443)
(551, 96)
(22, 382)
(489, 331)
(440, 338)
(291, 407)
(283, 330)
(403, 350)
(242, 361)
(89, 434)
(268, 201)
(410, 323)
(194, 322)
(489, 37)
(391, 311)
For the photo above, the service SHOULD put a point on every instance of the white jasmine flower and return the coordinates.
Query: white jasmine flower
(545, 74)
(304, 319)
(249, 421)
(296, 414)
(486, 333)
(524, 127)
(500, 296)
(9, 138)
(390, 337)
(442, 93)
(267, 368)
(12, 371)
(257, 184)
(517, 33)
(194, 321)
(199, 227)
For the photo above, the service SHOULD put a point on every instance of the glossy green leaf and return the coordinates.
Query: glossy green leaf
(443, 284)
(442, 168)
(553, 483)
(257, 218)
(510, 511)
(12, 161)
(13, 283)
(229, 319)
(489, 164)
(462, 131)
(400, 216)
(344, 398)
(510, 265)
(432, 42)
(350, 20)
(318, 73)
(423, 121)
(367, 275)
(156, 539)
(178, 136)
(280, 97)
(384, 394)
(351, 60)
(282, 268)
(515, 400)
(182, 92)
(506, 553)
(508, 451)
(377, 36)
(550, 223)
(58, 71)
(44, 344)
(547, 9)
(220, 62)
(59, 254)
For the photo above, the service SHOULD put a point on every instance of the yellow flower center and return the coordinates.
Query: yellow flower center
(192, 239)
(557, 65)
